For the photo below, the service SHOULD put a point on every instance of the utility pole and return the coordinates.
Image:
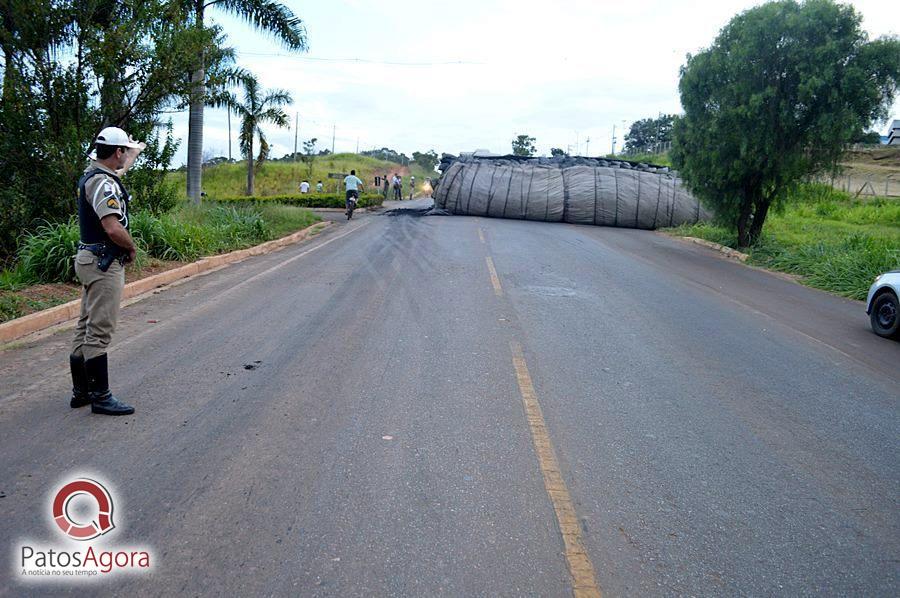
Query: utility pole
(296, 131)
(577, 144)
(357, 145)
(229, 133)
(587, 146)
(333, 131)
(658, 123)
(613, 151)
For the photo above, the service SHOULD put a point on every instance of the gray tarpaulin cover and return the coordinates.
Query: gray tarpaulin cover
(566, 189)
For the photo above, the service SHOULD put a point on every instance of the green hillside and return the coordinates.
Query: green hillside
(283, 178)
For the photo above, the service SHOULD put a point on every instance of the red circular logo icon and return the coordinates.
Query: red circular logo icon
(77, 530)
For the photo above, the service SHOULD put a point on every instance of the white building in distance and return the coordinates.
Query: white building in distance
(894, 133)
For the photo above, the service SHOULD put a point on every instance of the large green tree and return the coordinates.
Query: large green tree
(647, 133)
(427, 160)
(257, 108)
(71, 67)
(269, 16)
(523, 145)
(781, 91)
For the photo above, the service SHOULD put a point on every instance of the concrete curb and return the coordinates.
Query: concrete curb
(728, 251)
(20, 327)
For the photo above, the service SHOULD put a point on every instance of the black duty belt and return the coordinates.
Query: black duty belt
(106, 252)
(94, 248)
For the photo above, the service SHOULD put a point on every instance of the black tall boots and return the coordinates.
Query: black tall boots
(102, 400)
(80, 396)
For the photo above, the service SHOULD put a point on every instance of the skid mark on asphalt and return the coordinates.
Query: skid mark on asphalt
(584, 581)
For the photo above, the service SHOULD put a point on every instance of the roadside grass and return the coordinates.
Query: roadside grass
(302, 200)
(44, 274)
(283, 178)
(657, 159)
(830, 240)
(283, 220)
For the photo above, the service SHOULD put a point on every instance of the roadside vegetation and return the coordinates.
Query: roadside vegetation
(42, 274)
(283, 177)
(827, 238)
(750, 134)
(332, 201)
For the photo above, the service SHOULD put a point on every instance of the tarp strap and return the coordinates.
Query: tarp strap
(508, 187)
(658, 197)
(616, 178)
(674, 195)
(472, 186)
(547, 205)
(565, 186)
(637, 207)
(595, 195)
(487, 211)
(527, 197)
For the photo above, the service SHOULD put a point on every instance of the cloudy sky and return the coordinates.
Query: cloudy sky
(467, 74)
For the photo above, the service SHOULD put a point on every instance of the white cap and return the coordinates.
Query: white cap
(116, 136)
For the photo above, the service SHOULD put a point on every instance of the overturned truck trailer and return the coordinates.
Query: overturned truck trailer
(566, 189)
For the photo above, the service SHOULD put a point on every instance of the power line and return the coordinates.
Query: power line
(363, 60)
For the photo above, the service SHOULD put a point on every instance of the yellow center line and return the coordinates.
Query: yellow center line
(495, 280)
(480, 234)
(584, 580)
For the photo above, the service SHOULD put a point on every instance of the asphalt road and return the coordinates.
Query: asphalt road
(462, 406)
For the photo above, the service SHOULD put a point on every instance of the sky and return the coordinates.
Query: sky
(414, 75)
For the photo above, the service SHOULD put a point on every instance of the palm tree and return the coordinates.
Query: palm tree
(268, 16)
(257, 108)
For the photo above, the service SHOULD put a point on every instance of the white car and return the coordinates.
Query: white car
(883, 306)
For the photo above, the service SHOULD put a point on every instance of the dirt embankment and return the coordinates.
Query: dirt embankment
(878, 162)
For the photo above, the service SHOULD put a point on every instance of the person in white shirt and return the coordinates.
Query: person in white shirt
(397, 184)
(304, 187)
(352, 184)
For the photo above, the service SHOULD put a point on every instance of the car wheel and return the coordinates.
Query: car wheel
(885, 315)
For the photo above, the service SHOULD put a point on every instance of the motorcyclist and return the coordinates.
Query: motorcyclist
(353, 185)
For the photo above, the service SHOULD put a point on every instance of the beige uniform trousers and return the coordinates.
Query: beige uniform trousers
(101, 293)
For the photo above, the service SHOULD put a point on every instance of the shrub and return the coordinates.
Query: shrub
(310, 200)
(46, 255)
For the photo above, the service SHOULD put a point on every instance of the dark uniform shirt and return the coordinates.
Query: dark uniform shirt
(103, 195)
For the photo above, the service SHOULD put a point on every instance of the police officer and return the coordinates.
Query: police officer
(105, 247)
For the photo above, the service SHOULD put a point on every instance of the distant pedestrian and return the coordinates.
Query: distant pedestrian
(385, 183)
(412, 186)
(304, 187)
(397, 184)
(319, 187)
